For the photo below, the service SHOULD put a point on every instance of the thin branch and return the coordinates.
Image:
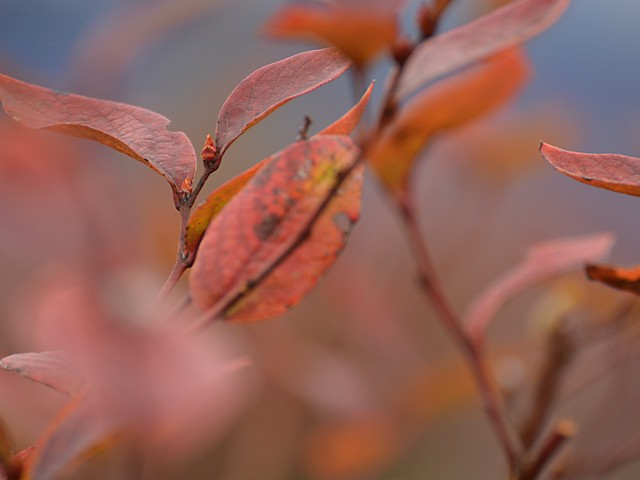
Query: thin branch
(179, 265)
(559, 354)
(561, 433)
(198, 188)
(489, 391)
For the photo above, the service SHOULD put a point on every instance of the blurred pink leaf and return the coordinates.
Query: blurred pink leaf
(505, 27)
(53, 369)
(134, 131)
(543, 261)
(617, 173)
(167, 393)
(273, 85)
(75, 432)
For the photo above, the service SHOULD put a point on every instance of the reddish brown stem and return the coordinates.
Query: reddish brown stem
(179, 266)
(559, 354)
(478, 364)
(563, 431)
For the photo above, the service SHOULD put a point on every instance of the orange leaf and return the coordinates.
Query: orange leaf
(627, 279)
(204, 213)
(354, 448)
(134, 131)
(542, 262)
(270, 87)
(505, 27)
(53, 369)
(618, 173)
(359, 30)
(449, 104)
(267, 219)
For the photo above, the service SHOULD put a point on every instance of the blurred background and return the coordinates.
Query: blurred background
(359, 381)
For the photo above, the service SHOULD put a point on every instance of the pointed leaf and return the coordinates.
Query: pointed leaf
(618, 173)
(542, 262)
(53, 369)
(627, 279)
(268, 218)
(349, 121)
(204, 213)
(450, 103)
(290, 281)
(505, 27)
(76, 432)
(360, 30)
(134, 131)
(271, 86)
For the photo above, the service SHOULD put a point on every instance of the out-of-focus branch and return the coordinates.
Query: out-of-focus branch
(558, 357)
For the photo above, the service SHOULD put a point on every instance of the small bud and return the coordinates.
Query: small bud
(401, 50)
(209, 154)
(427, 19)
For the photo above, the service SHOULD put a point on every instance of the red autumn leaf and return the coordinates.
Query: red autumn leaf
(450, 103)
(267, 219)
(204, 213)
(300, 272)
(134, 131)
(618, 173)
(542, 262)
(627, 279)
(360, 30)
(270, 87)
(505, 27)
(53, 369)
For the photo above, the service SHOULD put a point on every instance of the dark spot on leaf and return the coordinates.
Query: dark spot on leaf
(266, 226)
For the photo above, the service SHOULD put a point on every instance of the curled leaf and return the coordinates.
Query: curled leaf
(627, 279)
(134, 131)
(542, 262)
(360, 30)
(270, 87)
(53, 369)
(266, 221)
(450, 103)
(505, 27)
(617, 173)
